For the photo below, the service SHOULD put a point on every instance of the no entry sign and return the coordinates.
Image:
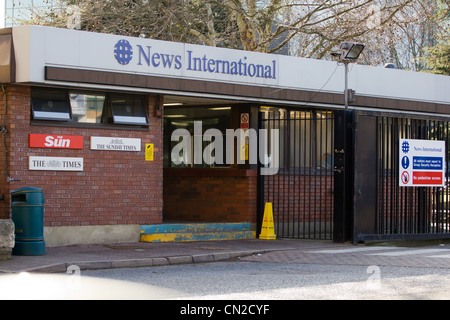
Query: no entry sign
(245, 117)
(421, 163)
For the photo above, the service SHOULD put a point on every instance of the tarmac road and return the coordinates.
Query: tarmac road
(251, 269)
(269, 277)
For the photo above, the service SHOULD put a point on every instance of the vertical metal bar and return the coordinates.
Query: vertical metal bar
(326, 176)
(392, 164)
(287, 172)
(283, 178)
(421, 216)
(386, 176)
(381, 175)
(446, 193)
(394, 186)
(377, 175)
(381, 183)
(297, 169)
(312, 164)
(332, 176)
(388, 156)
(410, 191)
(416, 131)
(321, 164)
(294, 173)
(279, 175)
(396, 176)
(271, 191)
(309, 171)
(402, 190)
(315, 147)
(304, 174)
(427, 190)
(436, 203)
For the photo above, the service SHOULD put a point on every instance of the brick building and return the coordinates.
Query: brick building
(89, 118)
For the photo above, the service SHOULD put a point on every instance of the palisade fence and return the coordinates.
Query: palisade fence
(409, 212)
(302, 191)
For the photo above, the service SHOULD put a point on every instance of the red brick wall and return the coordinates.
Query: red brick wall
(210, 195)
(114, 188)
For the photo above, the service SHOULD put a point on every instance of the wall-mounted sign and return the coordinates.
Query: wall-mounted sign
(55, 141)
(149, 148)
(56, 164)
(115, 144)
(421, 163)
(245, 120)
(245, 124)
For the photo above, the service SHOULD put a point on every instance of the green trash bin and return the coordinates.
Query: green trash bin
(28, 216)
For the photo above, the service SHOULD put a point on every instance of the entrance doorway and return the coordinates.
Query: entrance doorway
(201, 184)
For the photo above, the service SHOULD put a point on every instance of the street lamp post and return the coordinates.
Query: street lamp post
(346, 84)
(343, 212)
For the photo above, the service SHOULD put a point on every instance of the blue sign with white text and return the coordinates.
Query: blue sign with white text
(427, 163)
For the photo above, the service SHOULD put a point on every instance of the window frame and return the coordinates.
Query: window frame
(91, 93)
(47, 116)
(115, 117)
(107, 118)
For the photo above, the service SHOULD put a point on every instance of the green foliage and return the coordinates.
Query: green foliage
(438, 60)
(438, 56)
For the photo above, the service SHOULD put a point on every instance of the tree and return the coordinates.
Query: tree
(311, 28)
(438, 58)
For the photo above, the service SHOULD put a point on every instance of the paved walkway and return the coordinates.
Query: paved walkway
(146, 254)
(57, 260)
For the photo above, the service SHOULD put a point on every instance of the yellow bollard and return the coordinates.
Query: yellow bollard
(267, 229)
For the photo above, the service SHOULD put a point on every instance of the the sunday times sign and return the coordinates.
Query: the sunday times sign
(421, 163)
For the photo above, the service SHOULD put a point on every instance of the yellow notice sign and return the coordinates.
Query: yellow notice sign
(244, 152)
(149, 152)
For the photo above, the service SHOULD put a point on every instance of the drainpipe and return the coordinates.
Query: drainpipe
(4, 131)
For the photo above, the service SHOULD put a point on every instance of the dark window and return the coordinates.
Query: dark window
(128, 109)
(50, 105)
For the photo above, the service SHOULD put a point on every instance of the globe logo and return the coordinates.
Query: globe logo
(405, 147)
(123, 51)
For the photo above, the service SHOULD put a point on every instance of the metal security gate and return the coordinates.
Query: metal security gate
(301, 192)
(409, 212)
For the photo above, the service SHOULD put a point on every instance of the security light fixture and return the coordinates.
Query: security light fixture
(351, 50)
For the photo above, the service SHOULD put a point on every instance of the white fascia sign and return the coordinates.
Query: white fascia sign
(56, 164)
(115, 144)
(37, 47)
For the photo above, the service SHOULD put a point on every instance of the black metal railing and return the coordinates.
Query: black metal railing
(406, 211)
(302, 190)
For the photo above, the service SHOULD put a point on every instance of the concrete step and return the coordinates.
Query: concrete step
(196, 232)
